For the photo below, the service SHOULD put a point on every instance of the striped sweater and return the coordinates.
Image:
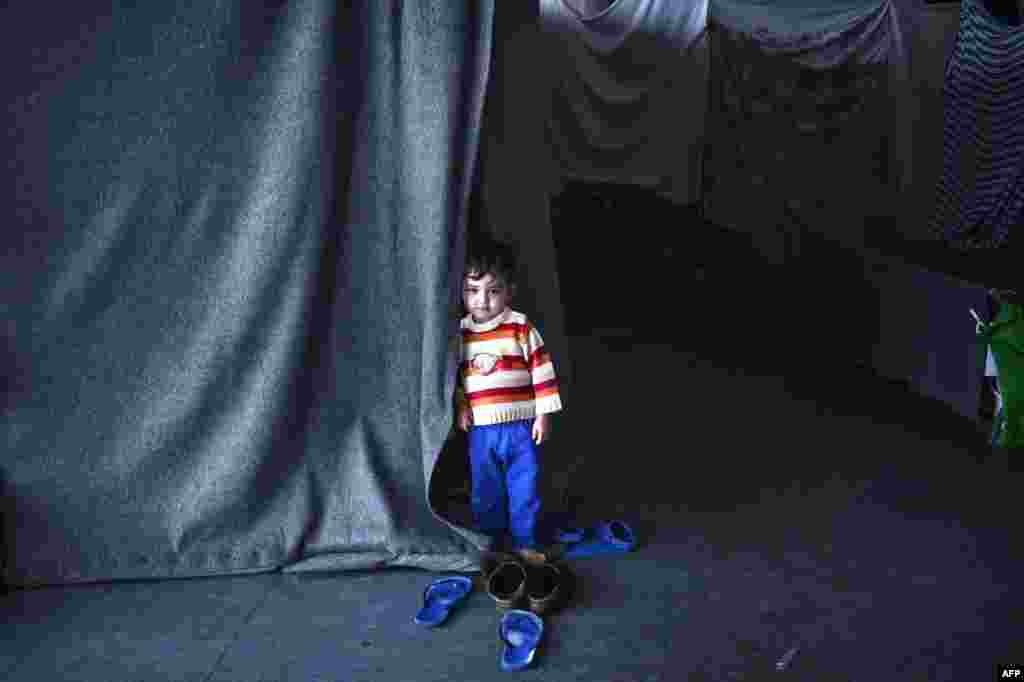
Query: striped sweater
(505, 373)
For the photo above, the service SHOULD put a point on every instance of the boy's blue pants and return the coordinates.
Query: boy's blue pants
(505, 497)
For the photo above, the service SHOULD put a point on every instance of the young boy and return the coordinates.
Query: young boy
(506, 391)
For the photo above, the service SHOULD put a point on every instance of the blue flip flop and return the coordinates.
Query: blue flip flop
(439, 598)
(612, 537)
(521, 632)
(570, 535)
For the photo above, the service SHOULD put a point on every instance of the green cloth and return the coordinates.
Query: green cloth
(1005, 336)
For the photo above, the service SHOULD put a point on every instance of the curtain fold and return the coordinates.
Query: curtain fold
(233, 234)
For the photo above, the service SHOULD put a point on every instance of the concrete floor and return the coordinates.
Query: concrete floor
(779, 503)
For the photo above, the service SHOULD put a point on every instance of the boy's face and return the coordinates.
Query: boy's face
(485, 296)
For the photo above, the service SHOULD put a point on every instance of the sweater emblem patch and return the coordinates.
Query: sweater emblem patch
(484, 362)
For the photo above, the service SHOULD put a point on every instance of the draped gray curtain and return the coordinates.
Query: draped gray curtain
(233, 233)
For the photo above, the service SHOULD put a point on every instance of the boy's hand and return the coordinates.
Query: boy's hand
(465, 418)
(541, 428)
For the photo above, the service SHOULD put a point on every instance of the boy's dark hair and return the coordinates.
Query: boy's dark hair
(487, 256)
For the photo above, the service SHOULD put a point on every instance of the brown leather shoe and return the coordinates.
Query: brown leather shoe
(546, 587)
(489, 561)
(532, 556)
(507, 584)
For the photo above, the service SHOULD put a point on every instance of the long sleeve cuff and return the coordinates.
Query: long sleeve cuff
(548, 404)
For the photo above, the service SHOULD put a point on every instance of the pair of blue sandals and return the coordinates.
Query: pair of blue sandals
(521, 631)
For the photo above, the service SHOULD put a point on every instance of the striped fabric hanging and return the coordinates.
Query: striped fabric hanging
(980, 195)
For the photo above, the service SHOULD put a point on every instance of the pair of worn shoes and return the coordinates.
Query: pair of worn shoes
(540, 587)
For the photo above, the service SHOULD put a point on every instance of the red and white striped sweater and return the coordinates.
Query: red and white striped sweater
(505, 373)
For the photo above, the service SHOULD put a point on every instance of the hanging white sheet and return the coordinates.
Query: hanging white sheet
(625, 104)
(629, 97)
(821, 34)
(824, 33)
